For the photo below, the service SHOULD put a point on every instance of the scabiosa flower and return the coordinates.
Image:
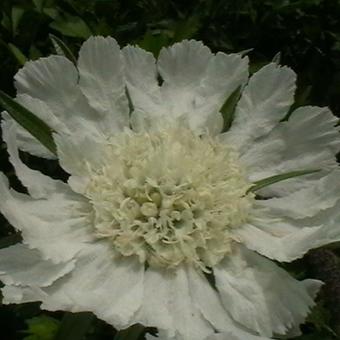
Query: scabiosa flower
(157, 223)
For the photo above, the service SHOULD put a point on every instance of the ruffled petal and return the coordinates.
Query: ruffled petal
(101, 80)
(149, 109)
(155, 310)
(171, 297)
(240, 335)
(56, 226)
(225, 73)
(110, 288)
(38, 184)
(25, 140)
(282, 241)
(307, 202)
(287, 149)
(184, 63)
(286, 228)
(21, 266)
(260, 295)
(196, 83)
(76, 154)
(79, 155)
(54, 82)
(47, 79)
(264, 102)
(209, 303)
(19, 294)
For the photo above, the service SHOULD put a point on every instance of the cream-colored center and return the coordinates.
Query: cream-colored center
(169, 197)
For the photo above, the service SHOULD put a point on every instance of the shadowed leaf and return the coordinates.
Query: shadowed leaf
(29, 121)
(228, 109)
(74, 326)
(132, 333)
(278, 178)
(62, 49)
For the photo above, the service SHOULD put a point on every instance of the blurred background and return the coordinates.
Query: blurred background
(303, 34)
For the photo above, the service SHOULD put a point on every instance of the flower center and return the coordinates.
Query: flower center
(169, 197)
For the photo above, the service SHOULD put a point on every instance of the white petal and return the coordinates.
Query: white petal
(14, 294)
(286, 148)
(174, 305)
(20, 265)
(264, 102)
(188, 320)
(54, 81)
(236, 335)
(225, 73)
(110, 288)
(155, 310)
(144, 92)
(26, 141)
(208, 301)
(260, 295)
(286, 228)
(276, 239)
(101, 80)
(47, 79)
(307, 202)
(42, 111)
(56, 226)
(319, 126)
(78, 155)
(197, 83)
(38, 184)
(184, 63)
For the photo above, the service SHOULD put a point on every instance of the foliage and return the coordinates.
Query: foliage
(41, 328)
(305, 32)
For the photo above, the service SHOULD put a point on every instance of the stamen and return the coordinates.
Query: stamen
(169, 197)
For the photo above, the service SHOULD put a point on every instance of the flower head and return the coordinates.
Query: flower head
(169, 197)
(157, 223)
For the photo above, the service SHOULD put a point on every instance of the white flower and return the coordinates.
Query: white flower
(157, 201)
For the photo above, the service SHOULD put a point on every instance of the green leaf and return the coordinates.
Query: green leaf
(62, 49)
(154, 42)
(17, 14)
(19, 56)
(321, 318)
(228, 108)
(51, 12)
(74, 326)
(42, 328)
(29, 121)
(132, 333)
(6, 22)
(278, 178)
(71, 26)
(39, 4)
(34, 53)
(186, 29)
